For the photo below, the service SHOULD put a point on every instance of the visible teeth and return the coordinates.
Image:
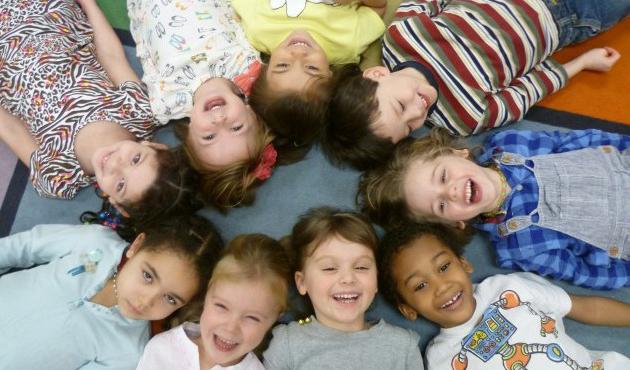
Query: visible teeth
(424, 101)
(300, 43)
(345, 297)
(468, 191)
(216, 107)
(452, 300)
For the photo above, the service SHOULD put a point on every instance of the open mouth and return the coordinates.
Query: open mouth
(214, 104)
(298, 41)
(471, 192)
(346, 298)
(425, 101)
(453, 302)
(224, 345)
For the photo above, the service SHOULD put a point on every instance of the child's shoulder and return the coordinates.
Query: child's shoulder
(396, 333)
(172, 348)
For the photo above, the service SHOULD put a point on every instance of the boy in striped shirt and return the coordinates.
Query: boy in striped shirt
(465, 65)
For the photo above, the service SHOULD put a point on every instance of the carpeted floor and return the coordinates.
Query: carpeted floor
(314, 182)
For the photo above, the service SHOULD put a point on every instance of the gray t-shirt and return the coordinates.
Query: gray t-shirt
(314, 346)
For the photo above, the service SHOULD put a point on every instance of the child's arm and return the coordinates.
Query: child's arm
(596, 310)
(598, 59)
(15, 135)
(109, 50)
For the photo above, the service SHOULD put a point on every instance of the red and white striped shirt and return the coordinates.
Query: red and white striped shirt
(490, 58)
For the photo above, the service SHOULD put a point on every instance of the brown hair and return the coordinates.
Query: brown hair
(193, 238)
(255, 257)
(296, 119)
(402, 237)
(353, 107)
(319, 225)
(381, 195)
(233, 185)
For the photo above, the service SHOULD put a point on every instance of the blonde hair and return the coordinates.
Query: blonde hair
(256, 257)
(233, 185)
(381, 194)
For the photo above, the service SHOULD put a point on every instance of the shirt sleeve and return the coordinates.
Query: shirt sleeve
(511, 103)
(561, 258)
(55, 176)
(42, 244)
(137, 106)
(277, 356)
(531, 143)
(546, 296)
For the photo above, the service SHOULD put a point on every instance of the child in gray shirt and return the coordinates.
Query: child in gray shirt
(334, 258)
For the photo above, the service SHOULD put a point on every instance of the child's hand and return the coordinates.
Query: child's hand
(600, 59)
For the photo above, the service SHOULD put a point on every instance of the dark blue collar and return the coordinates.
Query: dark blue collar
(426, 72)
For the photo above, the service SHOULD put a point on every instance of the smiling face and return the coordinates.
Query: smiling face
(223, 128)
(126, 169)
(340, 280)
(296, 63)
(404, 98)
(152, 285)
(433, 282)
(450, 188)
(235, 319)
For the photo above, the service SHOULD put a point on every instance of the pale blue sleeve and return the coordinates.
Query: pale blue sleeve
(44, 243)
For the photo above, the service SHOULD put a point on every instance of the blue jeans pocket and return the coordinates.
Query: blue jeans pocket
(574, 30)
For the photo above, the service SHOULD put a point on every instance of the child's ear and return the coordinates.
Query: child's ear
(299, 282)
(135, 245)
(466, 266)
(374, 73)
(464, 153)
(154, 145)
(407, 311)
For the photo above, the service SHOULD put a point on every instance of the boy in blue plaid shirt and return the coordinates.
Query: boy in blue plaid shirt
(555, 203)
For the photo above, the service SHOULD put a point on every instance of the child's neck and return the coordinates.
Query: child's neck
(106, 296)
(502, 189)
(94, 136)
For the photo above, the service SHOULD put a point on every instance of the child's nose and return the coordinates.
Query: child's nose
(348, 277)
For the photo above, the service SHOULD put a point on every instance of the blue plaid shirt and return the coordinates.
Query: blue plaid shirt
(546, 251)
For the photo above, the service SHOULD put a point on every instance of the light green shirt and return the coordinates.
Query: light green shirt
(343, 31)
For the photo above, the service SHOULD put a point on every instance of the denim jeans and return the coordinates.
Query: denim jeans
(579, 20)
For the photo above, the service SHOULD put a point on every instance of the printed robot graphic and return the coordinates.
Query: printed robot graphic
(491, 337)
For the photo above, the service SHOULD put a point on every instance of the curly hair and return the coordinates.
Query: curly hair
(381, 195)
(233, 185)
(353, 108)
(403, 236)
(296, 119)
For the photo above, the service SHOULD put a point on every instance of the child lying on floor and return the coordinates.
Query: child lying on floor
(505, 322)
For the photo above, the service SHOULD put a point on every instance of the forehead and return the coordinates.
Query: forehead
(417, 254)
(337, 247)
(248, 294)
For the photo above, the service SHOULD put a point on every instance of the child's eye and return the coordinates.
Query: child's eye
(420, 286)
(442, 206)
(402, 106)
(362, 268)
(312, 68)
(220, 306)
(253, 318)
(237, 128)
(282, 65)
(329, 269)
(170, 300)
(120, 185)
(445, 267)
(147, 277)
(443, 177)
(135, 159)
(209, 137)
